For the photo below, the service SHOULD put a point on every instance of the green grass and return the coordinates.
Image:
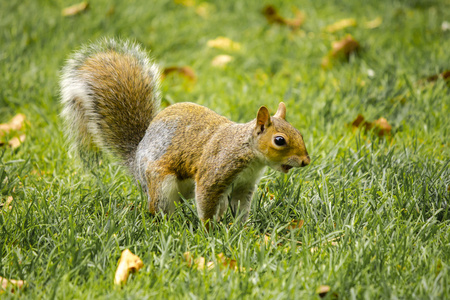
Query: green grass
(384, 202)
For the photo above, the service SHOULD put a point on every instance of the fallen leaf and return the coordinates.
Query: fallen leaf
(187, 3)
(273, 17)
(11, 284)
(344, 47)
(444, 75)
(445, 26)
(226, 262)
(8, 202)
(382, 127)
(128, 263)
(296, 224)
(323, 290)
(224, 44)
(75, 9)
(221, 60)
(374, 23)
(340, 25)
(199, 263)
(16, 124)
(340, 50)
(185, 71)
(16, 141)
(204, 9)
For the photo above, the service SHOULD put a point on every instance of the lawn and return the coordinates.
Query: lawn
(374, 203)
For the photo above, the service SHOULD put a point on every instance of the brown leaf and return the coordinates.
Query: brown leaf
(444, 75)
(273, 17)
(382, 127)
(221, 61)
(199, 263)
(344, 47)
(226, 262)
(15, 124)
(340, 25)
(184, 71)
(11, 284)
(374, 23)
(358, 121)
(323, 290)
(128, 263)
(296, 224)
(75, 9)
(224, 43)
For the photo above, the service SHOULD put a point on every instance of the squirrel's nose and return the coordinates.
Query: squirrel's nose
(306, 161)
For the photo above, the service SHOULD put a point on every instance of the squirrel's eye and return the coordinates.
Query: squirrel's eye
(279, 141)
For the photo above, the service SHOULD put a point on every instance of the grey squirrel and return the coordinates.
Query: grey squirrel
(110, 97)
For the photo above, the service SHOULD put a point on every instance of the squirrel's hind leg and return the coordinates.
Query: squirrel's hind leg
(163, 191)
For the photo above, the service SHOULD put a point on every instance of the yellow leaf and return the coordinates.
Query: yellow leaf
(75, 9)
(224, 44)
(16, 141)
(185, 2)
(339, 25)
(11, 284)
(296, 224)
(344, 47)
(221, 61)
(323, 290)
(374, 23)
(16, 123)
(204, 9)
(128, 263)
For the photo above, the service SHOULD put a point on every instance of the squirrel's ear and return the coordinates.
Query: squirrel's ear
(262, 119)
(281, 112)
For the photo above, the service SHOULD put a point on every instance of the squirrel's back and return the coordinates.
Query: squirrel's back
(110, 94)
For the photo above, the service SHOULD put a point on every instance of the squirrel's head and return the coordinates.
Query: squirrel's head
(278, 141)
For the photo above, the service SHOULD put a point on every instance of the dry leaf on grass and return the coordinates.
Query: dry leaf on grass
(340, 25)
(221, 61)
(226, 262)
(75, 9)
(342, 50)
(15, 124)
(344, 47)
(128, 263)
(374, 23)
(444, 75)
(224, 43)
(380, 126)
(296, 224)
(204, 9)
(273, 17)
(184, 71)
(7, 204)
(16, 141)
(187, 3)
(323, 290)
(11, 285)
(199, 263)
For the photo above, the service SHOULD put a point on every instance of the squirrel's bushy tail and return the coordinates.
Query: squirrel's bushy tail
(110, 94)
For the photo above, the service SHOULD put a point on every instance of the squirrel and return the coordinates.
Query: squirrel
(111, 100)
